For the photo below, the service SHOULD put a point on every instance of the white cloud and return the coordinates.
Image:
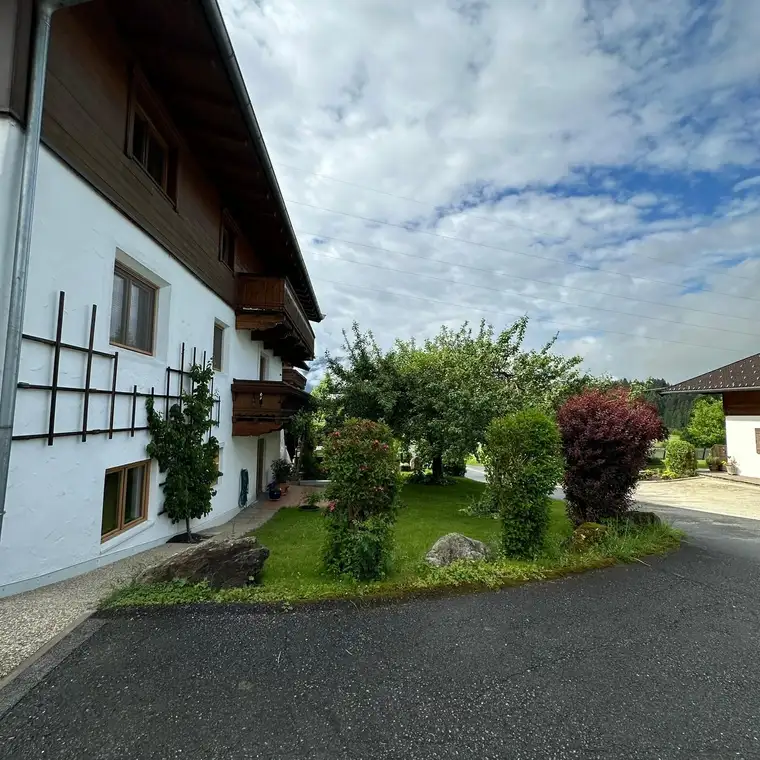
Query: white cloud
(540, 113)
(746, 184)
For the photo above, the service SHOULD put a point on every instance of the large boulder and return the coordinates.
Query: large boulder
(638, 517)
(454, 546)
(224, 564)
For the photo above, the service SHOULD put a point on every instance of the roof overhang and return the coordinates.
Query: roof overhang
(742, 375)
(186, 52)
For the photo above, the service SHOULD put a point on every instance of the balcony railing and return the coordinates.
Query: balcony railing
(263, 406)
(293, 377)
(268, 307)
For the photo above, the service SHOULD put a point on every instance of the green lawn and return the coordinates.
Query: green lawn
(293, 571)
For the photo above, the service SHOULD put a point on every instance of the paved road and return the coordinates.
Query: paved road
(640, 661)
(477, 472)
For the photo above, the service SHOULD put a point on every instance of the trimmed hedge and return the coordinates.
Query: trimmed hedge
(523, 465)
(680, 459)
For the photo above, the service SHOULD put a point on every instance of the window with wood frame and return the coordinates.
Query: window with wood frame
(133, 311)
(149, 140)
(125, 498)
(217, 358)
(227, 240)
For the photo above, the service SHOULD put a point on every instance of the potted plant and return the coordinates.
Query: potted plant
(274, 491)
(282, 471)
(732, 466)
(714, 464)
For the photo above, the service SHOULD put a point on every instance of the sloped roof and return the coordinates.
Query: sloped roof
(743, 375)
(186, 51)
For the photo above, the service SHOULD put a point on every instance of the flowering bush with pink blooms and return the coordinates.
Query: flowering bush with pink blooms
(362, 464)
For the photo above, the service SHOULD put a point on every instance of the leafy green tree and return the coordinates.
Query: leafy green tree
(360, 384)
(707, 424)
(450, 391)
(439, 396)
(189, 461)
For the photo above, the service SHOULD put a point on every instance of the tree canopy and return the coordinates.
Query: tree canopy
(707, 424)
(440, 395)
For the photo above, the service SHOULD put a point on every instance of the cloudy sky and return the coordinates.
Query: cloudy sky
(593, 164)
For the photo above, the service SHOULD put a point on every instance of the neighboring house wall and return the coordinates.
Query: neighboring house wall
(742, 410)
(742, 443)
(55, 493)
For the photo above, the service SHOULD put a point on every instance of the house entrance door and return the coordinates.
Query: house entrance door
(260, 445)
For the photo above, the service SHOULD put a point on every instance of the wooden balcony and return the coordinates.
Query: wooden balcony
(293, 377)
(263, 406)
(268, 307)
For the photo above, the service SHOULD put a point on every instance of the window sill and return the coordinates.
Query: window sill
(142, 351)
(120, 538)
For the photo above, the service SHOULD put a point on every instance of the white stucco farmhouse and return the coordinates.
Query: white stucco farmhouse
(141, 229)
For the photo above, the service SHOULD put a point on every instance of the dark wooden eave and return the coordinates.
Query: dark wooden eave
(743, 375)
(181, 49)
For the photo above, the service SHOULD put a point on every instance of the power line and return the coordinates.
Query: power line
(498, 222)
(349, 286)
(425, 203)
(529, 279)
(535, 298)
(508, 250)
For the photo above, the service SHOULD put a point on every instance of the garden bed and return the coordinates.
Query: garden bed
(293, 572)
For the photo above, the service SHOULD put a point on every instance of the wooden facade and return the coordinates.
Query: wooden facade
(108, 58)
(91, 82)
(741, 403)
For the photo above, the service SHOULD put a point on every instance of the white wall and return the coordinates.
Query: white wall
(54, 500)
(741, 445)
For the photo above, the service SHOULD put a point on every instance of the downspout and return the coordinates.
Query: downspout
(23, 236)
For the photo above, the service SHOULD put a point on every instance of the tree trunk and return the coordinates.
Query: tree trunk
(187, 528)
(438, 466)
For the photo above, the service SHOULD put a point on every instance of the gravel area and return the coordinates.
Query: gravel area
(703, 495)
(29, 620)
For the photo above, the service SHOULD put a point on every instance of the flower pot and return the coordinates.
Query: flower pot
(732, 470)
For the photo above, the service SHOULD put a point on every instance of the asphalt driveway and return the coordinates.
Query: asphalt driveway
(656, 660)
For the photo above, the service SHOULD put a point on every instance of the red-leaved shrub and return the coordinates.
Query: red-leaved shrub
(605, 440)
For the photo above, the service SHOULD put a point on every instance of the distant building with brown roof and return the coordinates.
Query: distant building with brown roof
(739, 384)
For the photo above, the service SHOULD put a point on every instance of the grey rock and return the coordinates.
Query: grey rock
(224, 564)
(642, 518)
(454, 546)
